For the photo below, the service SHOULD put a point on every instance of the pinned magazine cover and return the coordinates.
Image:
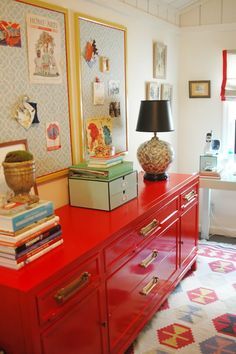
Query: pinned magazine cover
(10, 34)
(114, 109)
(91, 53)
(98, 92)
(113, 87)
(99, 136)
(53, 136)
(104, 64)
(44, 50)
(25, 112)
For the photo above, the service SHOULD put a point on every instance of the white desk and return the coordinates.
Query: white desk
(225, 183)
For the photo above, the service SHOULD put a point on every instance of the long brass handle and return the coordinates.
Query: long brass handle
(65, 293)
(148, 288)
(151, 258)
(146, 230)
(190, 196)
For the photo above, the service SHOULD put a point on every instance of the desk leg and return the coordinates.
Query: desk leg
(205, 213)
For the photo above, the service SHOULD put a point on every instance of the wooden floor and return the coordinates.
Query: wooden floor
(222, 239)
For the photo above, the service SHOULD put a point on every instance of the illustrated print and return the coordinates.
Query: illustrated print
(45, 62)
(44, 49)
(99, 136)
(53, 136)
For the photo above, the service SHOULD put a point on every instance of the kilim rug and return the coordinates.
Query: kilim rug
(200, 315)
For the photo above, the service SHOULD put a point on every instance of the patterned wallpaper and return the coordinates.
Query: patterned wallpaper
(51, 99)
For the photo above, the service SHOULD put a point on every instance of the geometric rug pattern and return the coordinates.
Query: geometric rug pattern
(199, 317)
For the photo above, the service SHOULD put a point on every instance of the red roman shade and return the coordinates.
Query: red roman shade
(228, 87)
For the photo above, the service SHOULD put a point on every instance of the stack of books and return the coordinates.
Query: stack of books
(104, 162)
(27, 232)
(215, 174)
(83, 170)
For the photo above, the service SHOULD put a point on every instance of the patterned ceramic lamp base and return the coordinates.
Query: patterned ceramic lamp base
(155, 157)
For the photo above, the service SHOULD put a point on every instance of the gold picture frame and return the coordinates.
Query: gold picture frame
(51, 107)
(107, 67)
(200, 89)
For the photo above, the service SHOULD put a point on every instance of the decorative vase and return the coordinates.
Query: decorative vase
(20, 177)
(155, 157)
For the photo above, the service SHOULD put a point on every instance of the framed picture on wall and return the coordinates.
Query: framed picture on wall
(153, 90)
(44, 61)
(110, 70)
(200, 89)
(159, 60)
(166, 92)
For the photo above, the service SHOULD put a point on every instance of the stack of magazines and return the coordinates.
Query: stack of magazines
(104, 162)
(27, 232)
(215, 174)
(83, 170)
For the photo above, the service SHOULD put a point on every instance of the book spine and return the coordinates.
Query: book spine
(104, 162)
(107, 165)
(32, 249)
(30, 216)
(47, 235)
(103, 173)
(38, 249)
(38, 245)
(29, 234)
(16, 266)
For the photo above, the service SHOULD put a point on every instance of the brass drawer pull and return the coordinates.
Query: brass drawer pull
(149, 228)
(65, 293)
(151, 258)
(148, 288)
(190, 196)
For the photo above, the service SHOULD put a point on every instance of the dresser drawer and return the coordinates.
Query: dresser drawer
(157, 257)
(125, 246)
(127, 183)
(158, 220)
(130, 289)
(189, 196)
(67, 291)
(123, 190)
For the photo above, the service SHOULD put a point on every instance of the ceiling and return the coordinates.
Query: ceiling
(179, 5)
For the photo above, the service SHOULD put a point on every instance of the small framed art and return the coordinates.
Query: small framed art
(159, 60)
(200, 89)
(166, 92)
(153, 90)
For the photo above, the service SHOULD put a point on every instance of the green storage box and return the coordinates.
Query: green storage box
(103, 194)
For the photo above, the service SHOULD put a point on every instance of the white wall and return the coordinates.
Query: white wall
(201, 59)
(142, 31)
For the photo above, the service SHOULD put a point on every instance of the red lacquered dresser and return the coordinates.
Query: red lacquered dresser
(95, 293)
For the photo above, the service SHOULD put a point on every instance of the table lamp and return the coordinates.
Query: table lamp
(155, 155)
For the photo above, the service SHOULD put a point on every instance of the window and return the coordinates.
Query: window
(228, 95)
(229, 127)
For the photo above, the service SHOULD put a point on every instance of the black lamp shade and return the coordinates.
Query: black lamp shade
(155, 116)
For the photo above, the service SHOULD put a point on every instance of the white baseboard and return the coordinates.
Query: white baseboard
(222, 231)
